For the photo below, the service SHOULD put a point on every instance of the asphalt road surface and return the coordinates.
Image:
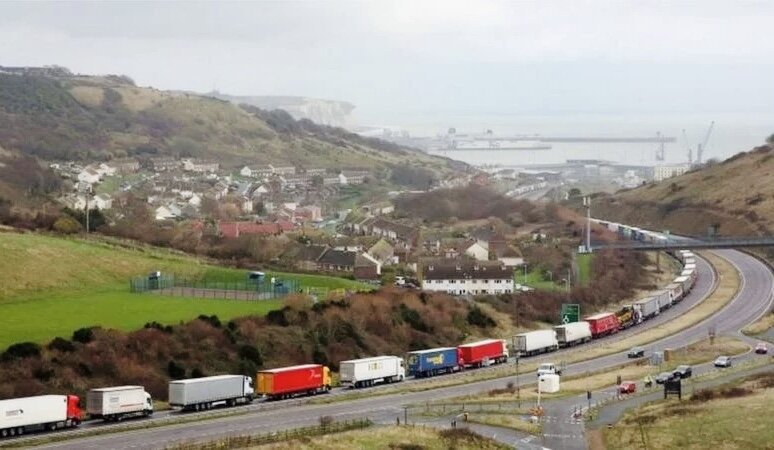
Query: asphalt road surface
(752, 301)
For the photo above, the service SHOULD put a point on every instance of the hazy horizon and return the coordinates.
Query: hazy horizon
(399, 58)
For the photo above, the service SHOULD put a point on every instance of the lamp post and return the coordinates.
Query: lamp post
(525, 274)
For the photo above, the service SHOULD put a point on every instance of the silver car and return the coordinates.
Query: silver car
(723, 361)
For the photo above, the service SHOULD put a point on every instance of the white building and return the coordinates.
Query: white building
(478, 251)
(470, 279)
(89, 175)
(168, 212)
(103, 202)
(661, 173)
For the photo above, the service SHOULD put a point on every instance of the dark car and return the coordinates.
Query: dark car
(636, 352)
(683, 371)
(663, 377)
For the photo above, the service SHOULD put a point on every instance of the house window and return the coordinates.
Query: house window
(498, 281)
(453, 281)
(475, 281)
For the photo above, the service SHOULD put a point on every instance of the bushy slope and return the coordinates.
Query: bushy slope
(736, 194)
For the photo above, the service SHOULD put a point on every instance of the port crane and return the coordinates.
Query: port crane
(699, 147)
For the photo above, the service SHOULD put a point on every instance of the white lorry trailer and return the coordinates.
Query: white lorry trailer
(118, 403)
(49, 412)
(647, 307)
(573, 333)
(363, 372)
(204, 393)
(534, 342)
(664, 300)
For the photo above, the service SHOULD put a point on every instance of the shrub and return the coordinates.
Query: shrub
(67, 225)
(21, 350)
(197, 373)
(212, 320)
(61, 344)
(251, 354)
(478, 318)
(175, 370)
(83, 335)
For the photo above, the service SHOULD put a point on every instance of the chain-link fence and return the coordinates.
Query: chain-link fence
(170, 284)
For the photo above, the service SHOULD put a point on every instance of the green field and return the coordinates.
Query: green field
(51, 286)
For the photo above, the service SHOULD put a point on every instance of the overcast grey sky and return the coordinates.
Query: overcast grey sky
(394, 58)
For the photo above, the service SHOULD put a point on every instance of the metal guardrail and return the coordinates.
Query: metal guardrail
(739, 242)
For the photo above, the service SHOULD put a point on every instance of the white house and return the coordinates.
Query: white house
(342, 179)
(195, 200)
(661, 173)
(246, 172)
(103, 202)
(478, 251)
(106, 170)
(75, 202)
(89, 175)
(168, 212)
(472, 279)
(246, 204)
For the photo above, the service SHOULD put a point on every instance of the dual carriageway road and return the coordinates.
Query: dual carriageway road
(753, 299)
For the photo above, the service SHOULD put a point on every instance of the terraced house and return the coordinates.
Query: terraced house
(472, 279)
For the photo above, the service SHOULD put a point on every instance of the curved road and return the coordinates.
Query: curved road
(752, 301)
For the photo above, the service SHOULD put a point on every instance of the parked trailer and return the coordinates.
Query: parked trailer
(603, 324)
(43, 412)
(648, 307)
(573, 333)
(676, 292)
(533, 342)
(689, 261)
(483, 353)
(286, 382)
(434, 361)
(203, 393)
(119, 402)
(664, 300)
(690, 273)
(357, 373)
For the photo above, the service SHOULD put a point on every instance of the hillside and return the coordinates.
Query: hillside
(327, 112)
(56, 115)
(737, 195)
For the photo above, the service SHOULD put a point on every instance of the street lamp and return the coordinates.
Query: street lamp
(525, 274)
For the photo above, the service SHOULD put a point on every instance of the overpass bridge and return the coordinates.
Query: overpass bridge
(688, 244)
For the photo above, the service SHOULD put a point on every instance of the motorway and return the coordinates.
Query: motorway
(752, 301)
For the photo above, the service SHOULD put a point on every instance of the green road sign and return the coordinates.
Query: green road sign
(570, 312)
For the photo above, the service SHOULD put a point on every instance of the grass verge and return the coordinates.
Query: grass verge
(513, 422)
(760, 326)
(394, 437)
(733, 416)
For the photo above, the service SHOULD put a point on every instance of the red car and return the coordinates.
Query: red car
(627, 387)
(761, 348)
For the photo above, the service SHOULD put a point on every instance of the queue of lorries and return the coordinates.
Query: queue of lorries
(50, 412)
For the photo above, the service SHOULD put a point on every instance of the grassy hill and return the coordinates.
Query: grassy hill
(51, 286)
(737, 195)
(55, 115)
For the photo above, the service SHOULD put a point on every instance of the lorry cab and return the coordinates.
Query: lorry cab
(148, 404)
(249, 390)
(327, 378)
(401, 370)
(74, 413)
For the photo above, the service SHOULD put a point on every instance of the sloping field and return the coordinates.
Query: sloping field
(51, 286)
(736, 194)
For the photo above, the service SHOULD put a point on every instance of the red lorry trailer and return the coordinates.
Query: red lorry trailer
(603, 324)
(288, 381)
(483, 353)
